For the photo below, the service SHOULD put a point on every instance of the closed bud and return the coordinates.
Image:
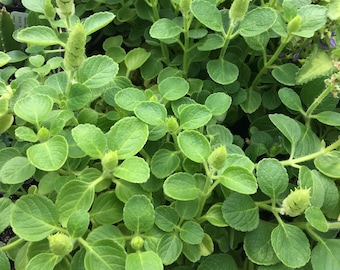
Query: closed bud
(185, 5)
(295, 24)
(172, 124)
(110, 160)
(65, 7)
(218, 157)
(137, 242)
(43, 134)
(296, 202)
(60, 244)
(238, 10)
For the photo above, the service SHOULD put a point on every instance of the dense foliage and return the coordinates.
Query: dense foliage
(171, 134)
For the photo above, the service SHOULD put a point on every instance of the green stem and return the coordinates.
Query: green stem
(12, 245)
(227, 38)
(334, 225)
(186, 63)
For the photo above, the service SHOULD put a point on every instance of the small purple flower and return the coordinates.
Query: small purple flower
(332, 42)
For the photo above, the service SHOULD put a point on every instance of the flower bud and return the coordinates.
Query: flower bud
(172, 124)
(295, 24)
(137, 242)
(60, 244)
(43, 134)
(296, 202)
(185, 5)
(66, 7)
(110, 160)
(238, 10)
(218, 157)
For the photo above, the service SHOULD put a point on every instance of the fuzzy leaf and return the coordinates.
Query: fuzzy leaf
(97, 21)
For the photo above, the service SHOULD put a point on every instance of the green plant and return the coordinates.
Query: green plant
(131, 158)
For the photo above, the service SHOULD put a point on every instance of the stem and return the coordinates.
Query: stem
(12, 245)
(334, 225)
(187, 21)
(228, 37)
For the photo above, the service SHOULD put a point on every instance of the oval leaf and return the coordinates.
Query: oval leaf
(38, 35)
(208, 14)
(165, 29)
(222, 71)
(150, 112)
(97, 21)
(173, 88)
(239, 179)
(193, 116)
(136, 58)
(147, 260)
(181, 186)
(133, 169)
(16, 170)
(218, 103)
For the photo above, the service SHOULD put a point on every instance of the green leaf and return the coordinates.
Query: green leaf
(194, 145)
(291, 245)
(316, 218)
(181, 186)
(238, 179)
(43, 261)
(173, 88)
(240, 161)
(164, 162)
(78, 223)
(272, 177)
(334, 10)
(36, 6)
(38, 35)
(127, 136)
(125, 190)
(252, 103)
(288, 127)
(4, 59)
(4, 261)
(73, 196)
(316, 65)
(129, 98)
(187, 209)
(257, 245)
(218, 103)
(214, 262)
(192, 252)
(26, 134)
(214, 215)
(240, 212)
(191, 232)
(164, 29)
(6, 207)
(97, 21)
(290, 99)
(147, 260)
(150, 112)
(106, 232)
(257, 21)
(328, 118)
(50, 155)
(208, 14)
(222, 71)
(90, 139)
(78, 97)
(326, 255)
(285, 74)
(16, 170)
(136, 58)
(33, 108)
(133, 169)
(34, 217)
(313, 18)
(97, 71)
(105, 255)
(166, 218)
(258, 42)
(211, 42)
(193, 116)
(139, 214)
(328, 164)
(169, 248)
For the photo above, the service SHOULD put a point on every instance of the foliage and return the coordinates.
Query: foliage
(171, 134)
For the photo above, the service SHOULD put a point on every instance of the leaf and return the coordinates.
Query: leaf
(46, 261)
(166, 218)
(187, 209)
(328, 164)
(105, 254)
(97, 21)
(272, 177)
(191, 232)
(333, 10)
(97, 71)
(238, 179)
(214, 262)
(257, 245)
(127, 136)
(90, 139)
(214, 215)
(133, 169)
(181, 186)
(287, 126)
(164, 162)
(240, 212)
(193, 116)
(50, 155)
(16, 170)
(222, 71)
(192, 252)
(173, 88)
(4, 261)
(328, 118)
(139, 214)
(136, 58)
(164, 29)
(36, 6)
(78, 223)
(252, 102)
(34, 217)
(208, 14)
(316, 65)
(257, 21)
(33, 108)
(290, 99)
(78, 97)
(150, 112)
(106, 232)
(4, 59)
(73, 196)
(194, 145)
(147, 260)
(316, 218)
(258, 42)
(26, 134)
(218, 103)
(169, 248)
(129, 98)
(211, 42)
(291, 245)
(314, 17)
(325, 255)
(285, 74)
(6, 207)
(125, 190)
(38, 35)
